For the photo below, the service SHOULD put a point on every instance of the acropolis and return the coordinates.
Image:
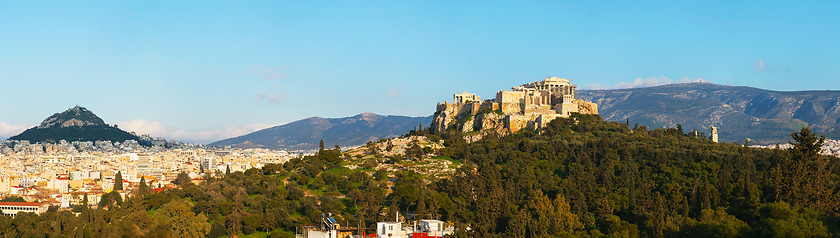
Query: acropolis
(530, 105)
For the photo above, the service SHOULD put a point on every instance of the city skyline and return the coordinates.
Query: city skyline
(204, 73)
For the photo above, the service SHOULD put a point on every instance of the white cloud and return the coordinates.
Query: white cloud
(759, 66)
(8, 130)
(269, 73)
(642, 83)
(762, 66)
(157, 129)
(396, 92)
(273, 97)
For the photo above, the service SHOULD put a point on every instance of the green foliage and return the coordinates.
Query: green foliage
(179, 217)
(640, 182)
(110, 200)
(118, 181)
(182, 179)
(781, 220)
(143, 189)
(714, 223)
(12, 199)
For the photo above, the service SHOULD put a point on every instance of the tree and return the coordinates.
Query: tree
(227, 170)
(414, 151)
(12, 199)
(85, 209)
(144, 188)
(806, 143)
(564, 221)
(715, 223)
(321, 146)
(110, 200)
(373, 148)
(421, 203)
(182, 179)
(781, 220)
(180, 219)
(118, 181)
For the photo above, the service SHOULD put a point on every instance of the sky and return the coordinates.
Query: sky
(204, 71)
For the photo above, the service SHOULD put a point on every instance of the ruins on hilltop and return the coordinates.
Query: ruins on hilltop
(530, 105)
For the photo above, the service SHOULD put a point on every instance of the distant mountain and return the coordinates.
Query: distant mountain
(75, 124)
(763, 116)
(349, 131)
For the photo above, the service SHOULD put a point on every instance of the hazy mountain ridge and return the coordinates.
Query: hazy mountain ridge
(349, 131)
(74, 124)
(739, 112)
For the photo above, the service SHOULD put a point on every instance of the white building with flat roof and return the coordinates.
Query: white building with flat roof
(13, 208)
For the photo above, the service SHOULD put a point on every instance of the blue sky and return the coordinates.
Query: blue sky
(202, 71)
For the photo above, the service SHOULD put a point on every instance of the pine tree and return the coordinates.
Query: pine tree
(118, 181)
(806, 143)
(321, 146)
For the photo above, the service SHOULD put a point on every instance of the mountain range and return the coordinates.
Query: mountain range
(740, 113)
(74, 124)
(349, 131)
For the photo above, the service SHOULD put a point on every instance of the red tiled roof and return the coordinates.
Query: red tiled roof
(30, 204)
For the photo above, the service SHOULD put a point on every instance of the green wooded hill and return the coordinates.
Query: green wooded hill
(580, 176)
(583, 176)
(75, 124)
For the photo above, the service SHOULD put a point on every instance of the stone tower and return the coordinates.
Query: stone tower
(714, 134)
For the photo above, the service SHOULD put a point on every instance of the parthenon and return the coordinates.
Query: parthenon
(530, 105)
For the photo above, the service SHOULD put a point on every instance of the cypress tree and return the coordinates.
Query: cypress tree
(144, 188)
(227, 170)
(85, 209)
(118, 181)
(421, 204)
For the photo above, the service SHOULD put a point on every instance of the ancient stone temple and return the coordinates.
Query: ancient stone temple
(530, 105)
